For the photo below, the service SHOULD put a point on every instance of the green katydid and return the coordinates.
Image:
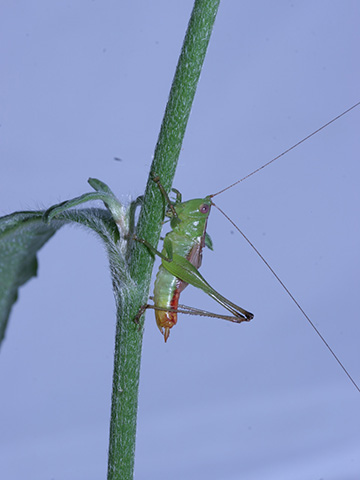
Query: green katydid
(181, 257)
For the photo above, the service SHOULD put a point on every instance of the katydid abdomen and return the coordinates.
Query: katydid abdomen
(167, 291)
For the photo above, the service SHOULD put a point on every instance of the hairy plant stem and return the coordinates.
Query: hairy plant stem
(128, 340)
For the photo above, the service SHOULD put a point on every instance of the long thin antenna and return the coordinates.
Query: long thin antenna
(291, 295)
(287, 151)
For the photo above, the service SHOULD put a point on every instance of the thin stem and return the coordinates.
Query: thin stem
(128, 340)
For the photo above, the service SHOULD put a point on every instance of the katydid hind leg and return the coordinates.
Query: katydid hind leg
(187, 310)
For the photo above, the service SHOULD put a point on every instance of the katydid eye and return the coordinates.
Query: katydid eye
(204, 208)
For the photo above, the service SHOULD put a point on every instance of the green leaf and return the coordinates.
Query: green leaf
(103, 192)
(22, 234)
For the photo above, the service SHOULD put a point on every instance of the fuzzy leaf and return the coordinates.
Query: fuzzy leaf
(22, 234)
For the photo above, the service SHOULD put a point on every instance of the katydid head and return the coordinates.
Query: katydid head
(196, 210)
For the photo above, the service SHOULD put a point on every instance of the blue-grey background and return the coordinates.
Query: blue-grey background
(84, 82)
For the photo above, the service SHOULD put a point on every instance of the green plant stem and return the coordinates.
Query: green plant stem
(128, 340)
